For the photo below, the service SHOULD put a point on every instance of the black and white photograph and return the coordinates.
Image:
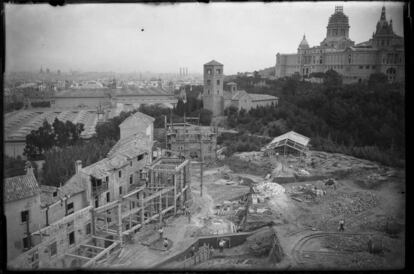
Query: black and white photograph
(204, 136)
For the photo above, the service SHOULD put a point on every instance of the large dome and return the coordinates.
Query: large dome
(338, 18)
(304, 44)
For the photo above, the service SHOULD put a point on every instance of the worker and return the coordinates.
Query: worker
(341, 225)
(165, 242)
(370, 244)
(161, 232)
(221, 245)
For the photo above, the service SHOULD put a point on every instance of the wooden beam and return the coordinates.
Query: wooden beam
(133, 192)
(92, 246)
(126, 232)
(77, 256)
(100, 238)
(132, 211)
(101, 254)
(106, 206)
(157, 194)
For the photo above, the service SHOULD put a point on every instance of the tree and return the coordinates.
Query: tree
(332, 79)
(377, 79)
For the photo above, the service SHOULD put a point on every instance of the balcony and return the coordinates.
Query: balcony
(99, 188)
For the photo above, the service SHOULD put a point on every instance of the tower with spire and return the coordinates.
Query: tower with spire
(384, 35)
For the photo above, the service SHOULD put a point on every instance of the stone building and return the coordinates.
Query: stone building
(213, 88)
(383, 53)
(240, 99)
(22, 209)
(216, 99)
(85, 222)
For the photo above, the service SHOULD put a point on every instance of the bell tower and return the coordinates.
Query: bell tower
(213, 99)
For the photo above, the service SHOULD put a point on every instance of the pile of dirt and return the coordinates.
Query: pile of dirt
(357, 243)
(353, 203)
(261, 242)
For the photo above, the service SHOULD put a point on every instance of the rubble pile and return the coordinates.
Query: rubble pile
(354, 203)
(269, 189)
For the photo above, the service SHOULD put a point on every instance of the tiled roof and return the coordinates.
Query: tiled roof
(124, 150)
(139, 116)
(72, 186)
(239, 94)
(227, 95)
(99, 169)
(261, 97)
(213, 63)
(130, 146)
(20, 187)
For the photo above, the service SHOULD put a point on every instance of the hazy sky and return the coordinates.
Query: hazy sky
(108, 37)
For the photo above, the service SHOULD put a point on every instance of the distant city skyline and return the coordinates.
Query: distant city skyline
(128, 38)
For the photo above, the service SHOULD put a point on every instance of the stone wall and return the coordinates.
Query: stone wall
(56, 234)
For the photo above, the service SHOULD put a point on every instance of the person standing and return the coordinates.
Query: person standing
(161, 232)
(189, 216)
(221, 245)
(341, 225)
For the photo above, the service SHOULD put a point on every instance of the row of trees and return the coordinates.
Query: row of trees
(365, 120)
(59, 165)
(59, 134)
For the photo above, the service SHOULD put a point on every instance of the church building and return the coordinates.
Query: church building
(216, 99)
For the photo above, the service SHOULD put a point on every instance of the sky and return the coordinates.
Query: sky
(109, 37)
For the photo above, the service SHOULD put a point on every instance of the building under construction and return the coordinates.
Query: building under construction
(288, 143)
(192, 141)
(87, 221)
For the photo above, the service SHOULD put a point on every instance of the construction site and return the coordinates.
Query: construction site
(284, 207)
(278, 210)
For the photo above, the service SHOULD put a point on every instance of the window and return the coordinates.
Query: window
(217, 91)
(108, 197)
(130, 179)
(209, 71)
(88, 229)
(373, 67)
(69, 208)
(218, 82)
(208, 82)
(96, 202)
(141, 175)
(54, 193)
(120, 174)
(366, 67)
(72, 238)
(53, 249)
(361, 67)
(25, 216)
(130, 163)
(120, 190)
(26, 243)
(218, 71)
(107, 179)
(140, 157)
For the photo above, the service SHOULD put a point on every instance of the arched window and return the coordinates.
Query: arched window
(208, 82)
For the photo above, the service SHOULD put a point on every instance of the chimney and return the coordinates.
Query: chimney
(29, 168)
(78, 166)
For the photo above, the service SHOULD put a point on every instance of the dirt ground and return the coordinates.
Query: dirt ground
(369, 197)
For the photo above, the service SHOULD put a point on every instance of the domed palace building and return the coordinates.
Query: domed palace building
(383, 53)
